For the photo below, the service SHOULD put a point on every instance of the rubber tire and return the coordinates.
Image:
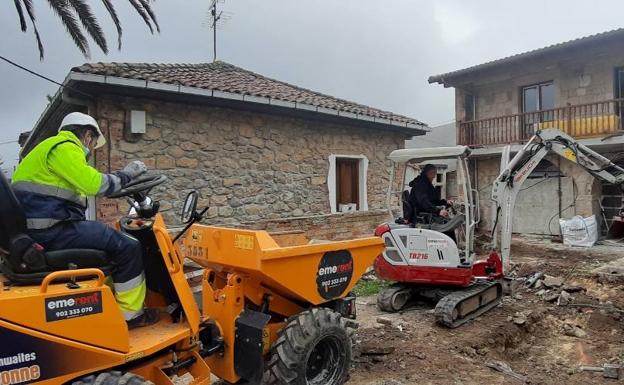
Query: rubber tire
(288, 358)
(113, 378)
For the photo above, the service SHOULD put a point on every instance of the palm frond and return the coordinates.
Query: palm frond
(20, 12)
(148, 8)
(31, 14)
(113, 14)
(64, 11)
(90, 23)
(141, 11)
(73, 13)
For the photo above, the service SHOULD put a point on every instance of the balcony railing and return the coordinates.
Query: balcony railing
(579, 121)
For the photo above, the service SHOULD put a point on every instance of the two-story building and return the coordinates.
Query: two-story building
(576, 86)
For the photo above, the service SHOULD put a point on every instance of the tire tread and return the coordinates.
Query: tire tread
(286, 364)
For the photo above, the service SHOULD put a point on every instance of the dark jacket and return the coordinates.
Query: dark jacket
(424, 197)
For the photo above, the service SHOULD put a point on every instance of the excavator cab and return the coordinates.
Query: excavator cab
(464, 212)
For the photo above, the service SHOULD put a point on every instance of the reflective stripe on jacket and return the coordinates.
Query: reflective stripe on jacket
(53, 180)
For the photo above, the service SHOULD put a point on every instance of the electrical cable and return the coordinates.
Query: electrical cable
(533, 185)
(574, 196)
(42, 76)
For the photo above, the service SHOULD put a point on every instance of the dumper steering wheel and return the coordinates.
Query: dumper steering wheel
(139, 185)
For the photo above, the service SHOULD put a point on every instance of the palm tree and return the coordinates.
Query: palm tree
(73, 12)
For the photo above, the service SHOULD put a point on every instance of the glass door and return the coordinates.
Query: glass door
(538, 101)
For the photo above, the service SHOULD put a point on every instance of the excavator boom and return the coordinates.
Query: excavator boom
(513, 175)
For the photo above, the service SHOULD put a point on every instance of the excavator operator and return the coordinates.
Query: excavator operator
(424, 197)
(52, 183)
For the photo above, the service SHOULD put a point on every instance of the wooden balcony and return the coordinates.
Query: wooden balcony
(579, 121)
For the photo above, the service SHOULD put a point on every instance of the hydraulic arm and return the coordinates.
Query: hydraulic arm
(515, 172)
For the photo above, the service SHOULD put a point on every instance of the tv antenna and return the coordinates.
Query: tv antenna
(216, 17)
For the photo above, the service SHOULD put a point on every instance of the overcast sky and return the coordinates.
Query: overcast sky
(378, 53)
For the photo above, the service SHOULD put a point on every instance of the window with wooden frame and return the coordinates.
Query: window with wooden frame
(347, 182)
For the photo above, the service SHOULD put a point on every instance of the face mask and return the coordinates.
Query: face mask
(87, 151)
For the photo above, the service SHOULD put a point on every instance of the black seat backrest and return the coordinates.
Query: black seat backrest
(408, 209)
(12, 218)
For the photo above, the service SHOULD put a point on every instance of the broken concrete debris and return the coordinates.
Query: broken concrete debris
(610, 273)
(519, 318)
(506, 369)
(534, 279)
(574, 331)
(384, 321)
(608, 370)
(551, 282)
(564, 298)
(551, 296)
(570, 288)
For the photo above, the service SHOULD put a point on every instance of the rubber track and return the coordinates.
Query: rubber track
(384, 298)
(444, 309)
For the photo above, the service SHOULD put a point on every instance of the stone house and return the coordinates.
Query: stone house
(576, 86)
(262, 153)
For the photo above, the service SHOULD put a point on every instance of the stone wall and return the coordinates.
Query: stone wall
(584, 76)
(247, 166)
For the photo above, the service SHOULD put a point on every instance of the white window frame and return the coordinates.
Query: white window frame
(363, 182)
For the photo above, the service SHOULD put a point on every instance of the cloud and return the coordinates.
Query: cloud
(456, 22)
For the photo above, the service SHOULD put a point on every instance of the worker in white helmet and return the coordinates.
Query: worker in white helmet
(52, 183)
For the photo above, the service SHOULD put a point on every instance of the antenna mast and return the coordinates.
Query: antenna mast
(216, 16)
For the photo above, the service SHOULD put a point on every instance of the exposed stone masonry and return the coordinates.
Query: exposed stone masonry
(247, 166)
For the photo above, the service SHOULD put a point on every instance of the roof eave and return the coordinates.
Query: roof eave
(450, 79)
(408, 128)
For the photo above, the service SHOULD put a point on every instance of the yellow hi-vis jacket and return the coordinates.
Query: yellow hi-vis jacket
(52, 181)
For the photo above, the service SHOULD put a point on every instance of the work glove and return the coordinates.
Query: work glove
(134, 169)
(112, 183)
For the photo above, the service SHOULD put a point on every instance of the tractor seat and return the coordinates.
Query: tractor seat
(57, 261)
(81, 258)
(24, 262)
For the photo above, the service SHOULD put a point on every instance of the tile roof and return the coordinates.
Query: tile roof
(226, 77)
(443, 78)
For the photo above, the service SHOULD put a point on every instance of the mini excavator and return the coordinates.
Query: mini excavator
(425, 262)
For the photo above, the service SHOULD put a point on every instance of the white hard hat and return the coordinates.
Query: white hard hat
(80, 119)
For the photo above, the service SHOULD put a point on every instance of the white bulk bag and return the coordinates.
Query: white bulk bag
(579, 231)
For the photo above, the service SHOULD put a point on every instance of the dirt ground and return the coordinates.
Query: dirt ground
(541, 340)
